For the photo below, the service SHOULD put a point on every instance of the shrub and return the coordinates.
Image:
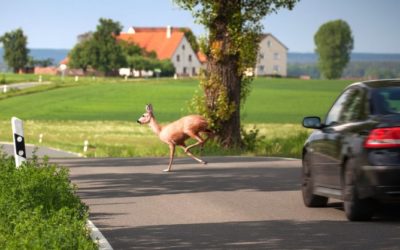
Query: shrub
(251, 139)
(39, 208)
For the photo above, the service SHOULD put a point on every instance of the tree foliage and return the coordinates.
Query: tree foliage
(15, 49)
(107, 55)
(334, 43)
(231, 47)
(32, 62)
(80, 56)
(100, 49)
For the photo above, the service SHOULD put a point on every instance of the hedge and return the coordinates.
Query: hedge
(39, 208)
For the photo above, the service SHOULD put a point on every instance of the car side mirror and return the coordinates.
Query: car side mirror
(312, 122)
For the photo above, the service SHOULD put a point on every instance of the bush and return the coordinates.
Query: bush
(39, 208)
(251, 139)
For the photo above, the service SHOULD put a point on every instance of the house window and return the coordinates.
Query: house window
(261, 56)
(276, 69)
(184, 71)
(183, 47)
(193, 71)
(269, 44)
(178, 58)
(190, 58)
(261, 68)
(276, 56)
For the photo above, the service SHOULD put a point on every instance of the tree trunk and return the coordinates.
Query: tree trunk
(225, 66)
(231, 132)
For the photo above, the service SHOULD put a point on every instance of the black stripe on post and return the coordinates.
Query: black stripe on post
(20, 145)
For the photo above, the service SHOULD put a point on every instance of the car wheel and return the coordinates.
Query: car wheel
(356, 209)
(310, 199)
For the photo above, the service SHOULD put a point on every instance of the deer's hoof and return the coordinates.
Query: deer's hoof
(167, 170)
(204, 162)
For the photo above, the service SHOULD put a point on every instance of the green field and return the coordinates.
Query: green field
(104, 112)
(271, 100)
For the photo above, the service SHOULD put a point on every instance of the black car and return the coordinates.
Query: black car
(354, 154)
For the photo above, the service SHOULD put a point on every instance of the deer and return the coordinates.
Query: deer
(176, 133)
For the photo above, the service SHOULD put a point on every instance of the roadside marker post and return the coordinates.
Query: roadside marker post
(19, 141)
(85, 145)
(5, 89)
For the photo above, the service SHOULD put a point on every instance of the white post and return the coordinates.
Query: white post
(76, 78)
(19, 141)
(5, 89)
(40, 78)
(85, 145)
(40, 138)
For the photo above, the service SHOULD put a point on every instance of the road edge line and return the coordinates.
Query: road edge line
(98, 237)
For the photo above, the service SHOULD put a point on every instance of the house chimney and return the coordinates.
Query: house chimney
(169, 31)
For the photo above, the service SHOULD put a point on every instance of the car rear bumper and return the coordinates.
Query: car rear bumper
(380, 182)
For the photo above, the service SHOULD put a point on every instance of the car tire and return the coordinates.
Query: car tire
(356, 209)
(309, 198)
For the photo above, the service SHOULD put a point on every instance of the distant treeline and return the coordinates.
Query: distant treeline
(296, 57)
(355, 69)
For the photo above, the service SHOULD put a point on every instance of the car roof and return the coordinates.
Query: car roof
(377, 83)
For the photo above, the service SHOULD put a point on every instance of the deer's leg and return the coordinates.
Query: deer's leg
(171, 157)
(187, 151)
(200, 141)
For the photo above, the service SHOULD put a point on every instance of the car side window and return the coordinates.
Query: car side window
(354, 108)
(349, 107)
(386, 101)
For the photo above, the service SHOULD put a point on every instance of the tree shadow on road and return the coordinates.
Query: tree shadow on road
(283, 234)
(111, 185)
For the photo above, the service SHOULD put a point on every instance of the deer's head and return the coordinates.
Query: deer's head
(146, 117)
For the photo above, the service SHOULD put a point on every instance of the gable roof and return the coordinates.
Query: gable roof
(155, 39)
(263, 36)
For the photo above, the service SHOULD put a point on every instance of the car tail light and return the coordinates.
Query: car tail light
(383, 138)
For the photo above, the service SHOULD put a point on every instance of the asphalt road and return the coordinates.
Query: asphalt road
(231, 203)
(39, 151)
(20, 86)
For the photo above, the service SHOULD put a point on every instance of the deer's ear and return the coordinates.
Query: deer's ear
(149, 108)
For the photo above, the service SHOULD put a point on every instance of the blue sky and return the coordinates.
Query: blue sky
(56, 23)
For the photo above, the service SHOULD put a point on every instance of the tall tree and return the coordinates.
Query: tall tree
(15, 50)
(80, 56)
(234, 29)
(106, 54)
(334, 43)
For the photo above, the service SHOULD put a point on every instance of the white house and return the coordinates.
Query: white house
(272, 57)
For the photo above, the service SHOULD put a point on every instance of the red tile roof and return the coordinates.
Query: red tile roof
(202, 57)
(65, 61)
(155, 39)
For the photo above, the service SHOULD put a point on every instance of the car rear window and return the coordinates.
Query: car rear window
(385, 101)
